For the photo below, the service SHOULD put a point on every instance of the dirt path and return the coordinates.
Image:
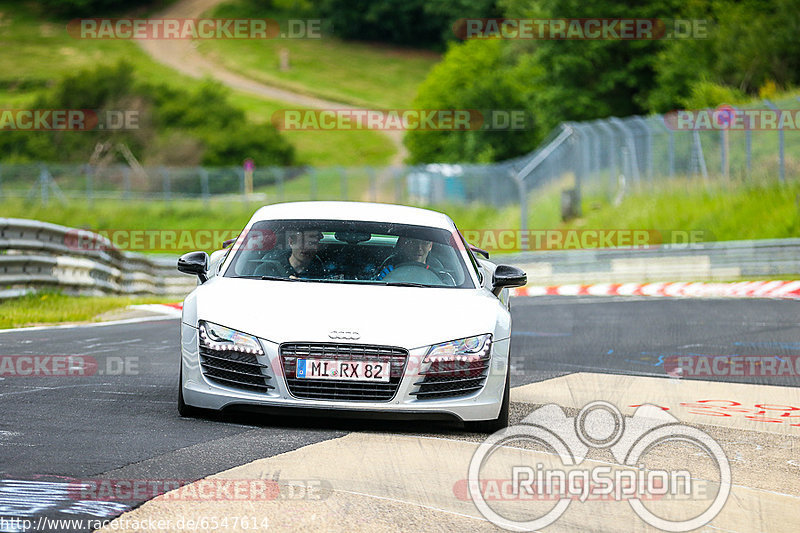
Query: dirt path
(182, 55)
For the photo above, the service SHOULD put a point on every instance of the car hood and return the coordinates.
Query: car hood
(409, 317)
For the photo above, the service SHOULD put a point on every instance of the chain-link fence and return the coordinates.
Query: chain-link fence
(424, 184)
(613, 156)
(757, 143)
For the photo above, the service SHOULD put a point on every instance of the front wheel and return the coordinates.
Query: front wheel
(501, 422)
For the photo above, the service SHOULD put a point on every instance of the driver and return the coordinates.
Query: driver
(301, 260)
(409, 250)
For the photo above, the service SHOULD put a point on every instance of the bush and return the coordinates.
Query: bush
(705, 94)
(210, 130)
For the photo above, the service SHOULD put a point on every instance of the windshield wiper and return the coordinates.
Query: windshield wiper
(279, 278)
(404, 284)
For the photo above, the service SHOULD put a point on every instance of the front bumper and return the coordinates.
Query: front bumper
(484, 404)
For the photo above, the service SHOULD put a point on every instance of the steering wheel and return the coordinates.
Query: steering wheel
(447, 277)
(414, 272)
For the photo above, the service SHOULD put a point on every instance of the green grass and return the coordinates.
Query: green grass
(723, 212)
(50, 307)
(368, 75)
(323, 148)
(35, 53)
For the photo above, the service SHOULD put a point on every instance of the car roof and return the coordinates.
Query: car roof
(367, 211)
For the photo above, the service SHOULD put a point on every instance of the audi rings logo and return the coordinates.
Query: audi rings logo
(599, 425)
(348, 335)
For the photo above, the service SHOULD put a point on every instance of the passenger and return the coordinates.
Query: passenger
(301, 260)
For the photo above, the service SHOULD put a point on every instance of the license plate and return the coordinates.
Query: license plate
(343, 370)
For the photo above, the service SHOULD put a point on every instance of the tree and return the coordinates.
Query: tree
(417, 23)
(751, 43)
(476, 75)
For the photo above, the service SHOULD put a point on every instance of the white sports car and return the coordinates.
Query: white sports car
(374, 309)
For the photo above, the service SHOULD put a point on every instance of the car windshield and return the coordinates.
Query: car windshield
(376, 253)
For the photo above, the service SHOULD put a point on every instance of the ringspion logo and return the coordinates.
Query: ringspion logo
(565, 479)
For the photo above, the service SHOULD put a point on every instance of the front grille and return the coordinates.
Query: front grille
(324, 389)
(234, 369)
(445, 379)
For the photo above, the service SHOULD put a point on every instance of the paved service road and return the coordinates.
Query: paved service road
(122, 423)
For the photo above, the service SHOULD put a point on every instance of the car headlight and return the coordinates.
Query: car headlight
(468, 349)
(219, 338)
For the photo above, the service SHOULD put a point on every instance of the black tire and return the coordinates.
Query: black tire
(186, 411)
(501, 422)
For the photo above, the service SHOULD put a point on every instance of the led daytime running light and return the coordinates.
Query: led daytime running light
(460, 357)
(208, 342)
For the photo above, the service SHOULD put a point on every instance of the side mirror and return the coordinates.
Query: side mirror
(506, 276)
(227, 243)
(195, 263)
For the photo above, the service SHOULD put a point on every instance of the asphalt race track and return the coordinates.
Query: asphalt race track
(122, 423)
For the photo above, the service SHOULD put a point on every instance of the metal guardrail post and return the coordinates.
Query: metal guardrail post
(126, 182)
(612, 152)
(373, 186)
(670, 146)
(648, 158)
(697, 151)
(312, 178)
(781, 145)
(204, 185)
(523, 200)
(280, 177)
(90, 184)
(748, 143)
(593, 150)
(583, 138)
(43, 189)
(398, 185)
(631, 145)
(724, 145)
(167, 183)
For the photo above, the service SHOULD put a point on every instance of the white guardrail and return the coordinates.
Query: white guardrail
(36, 255)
